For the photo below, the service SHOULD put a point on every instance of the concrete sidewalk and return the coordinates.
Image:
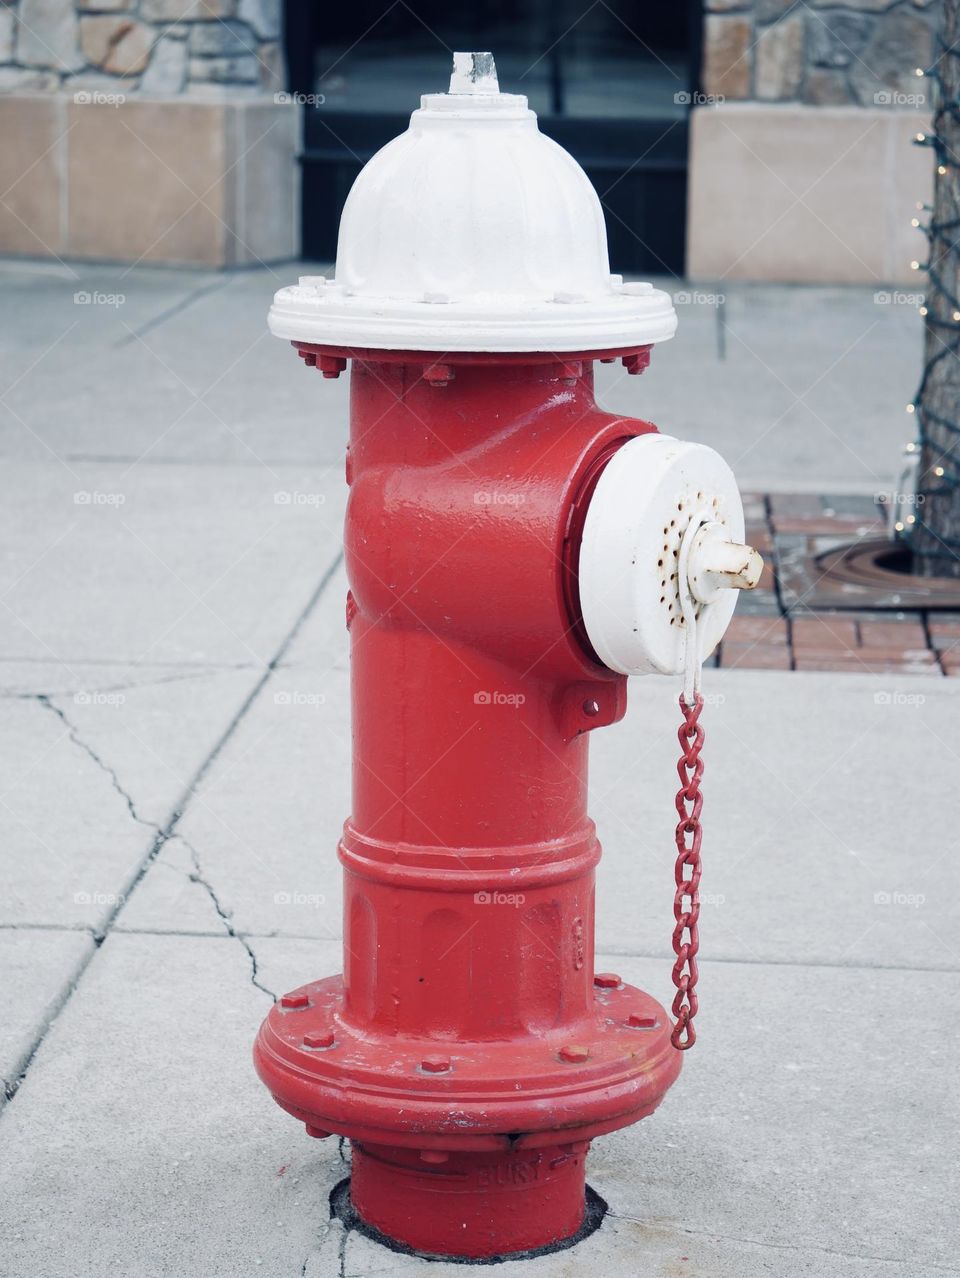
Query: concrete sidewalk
(174, 675)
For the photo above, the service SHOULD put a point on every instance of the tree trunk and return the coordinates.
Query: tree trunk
(936, 537)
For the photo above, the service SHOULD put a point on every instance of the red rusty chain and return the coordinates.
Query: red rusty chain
(686, 898)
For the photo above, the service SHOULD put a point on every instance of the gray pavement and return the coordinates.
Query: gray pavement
(799, 386)
(173, 674)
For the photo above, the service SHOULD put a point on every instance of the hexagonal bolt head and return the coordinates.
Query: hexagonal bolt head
(439, 374)
(575, 1053)
(295, 1001)
(607, 980)
(637, 362)
(435, 1064)
(323, 1038)
(641, 1020)
(319, 1132)
(331, 365)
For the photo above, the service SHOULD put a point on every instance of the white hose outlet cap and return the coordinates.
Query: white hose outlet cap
(648, 496)
(473, 204)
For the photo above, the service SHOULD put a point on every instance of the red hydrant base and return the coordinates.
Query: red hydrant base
(494, 1096)
(476, 1205)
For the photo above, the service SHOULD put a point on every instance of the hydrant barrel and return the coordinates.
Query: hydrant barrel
(470, 1051)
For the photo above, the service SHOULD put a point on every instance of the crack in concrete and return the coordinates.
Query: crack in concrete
(198, 876)
(166, 832)
(775, 1246)
(74, 734)
(342, 1251)
(224, 915)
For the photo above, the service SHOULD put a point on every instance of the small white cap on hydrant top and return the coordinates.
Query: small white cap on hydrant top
(474, 205)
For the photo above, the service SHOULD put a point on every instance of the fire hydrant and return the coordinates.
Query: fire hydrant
(513, 552)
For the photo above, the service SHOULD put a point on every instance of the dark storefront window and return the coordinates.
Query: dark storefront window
(611, 82)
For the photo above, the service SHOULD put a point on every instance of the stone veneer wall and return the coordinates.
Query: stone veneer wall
(802, 166)
(147, 130)
(152, 47)
(854, 52)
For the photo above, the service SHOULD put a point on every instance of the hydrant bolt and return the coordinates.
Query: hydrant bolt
(575, 1053)
(325, 1038)
(295, 1002)
(435, 1064)
(607, 980)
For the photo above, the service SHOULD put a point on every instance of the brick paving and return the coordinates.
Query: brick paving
(792, 620)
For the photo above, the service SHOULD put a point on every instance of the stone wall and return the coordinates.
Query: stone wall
(147, 130)
(162, 48)
(854, 53)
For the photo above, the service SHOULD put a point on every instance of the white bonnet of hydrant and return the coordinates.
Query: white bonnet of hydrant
(473, 231)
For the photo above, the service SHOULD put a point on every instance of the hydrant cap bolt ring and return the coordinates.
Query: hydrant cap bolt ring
(644, 503)
(419, 269)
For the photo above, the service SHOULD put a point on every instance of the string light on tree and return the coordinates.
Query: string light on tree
(934, 530)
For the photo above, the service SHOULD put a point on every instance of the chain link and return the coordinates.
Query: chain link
(686, 898)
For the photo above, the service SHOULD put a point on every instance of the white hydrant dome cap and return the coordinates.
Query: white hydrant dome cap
(473, 231)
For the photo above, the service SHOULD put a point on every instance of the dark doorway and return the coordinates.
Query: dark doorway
(612, 83)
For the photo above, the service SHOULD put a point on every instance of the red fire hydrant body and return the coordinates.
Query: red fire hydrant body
(513, 552)
(469, 1052)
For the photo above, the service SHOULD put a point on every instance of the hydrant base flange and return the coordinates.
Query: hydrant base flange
(582, 1080)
